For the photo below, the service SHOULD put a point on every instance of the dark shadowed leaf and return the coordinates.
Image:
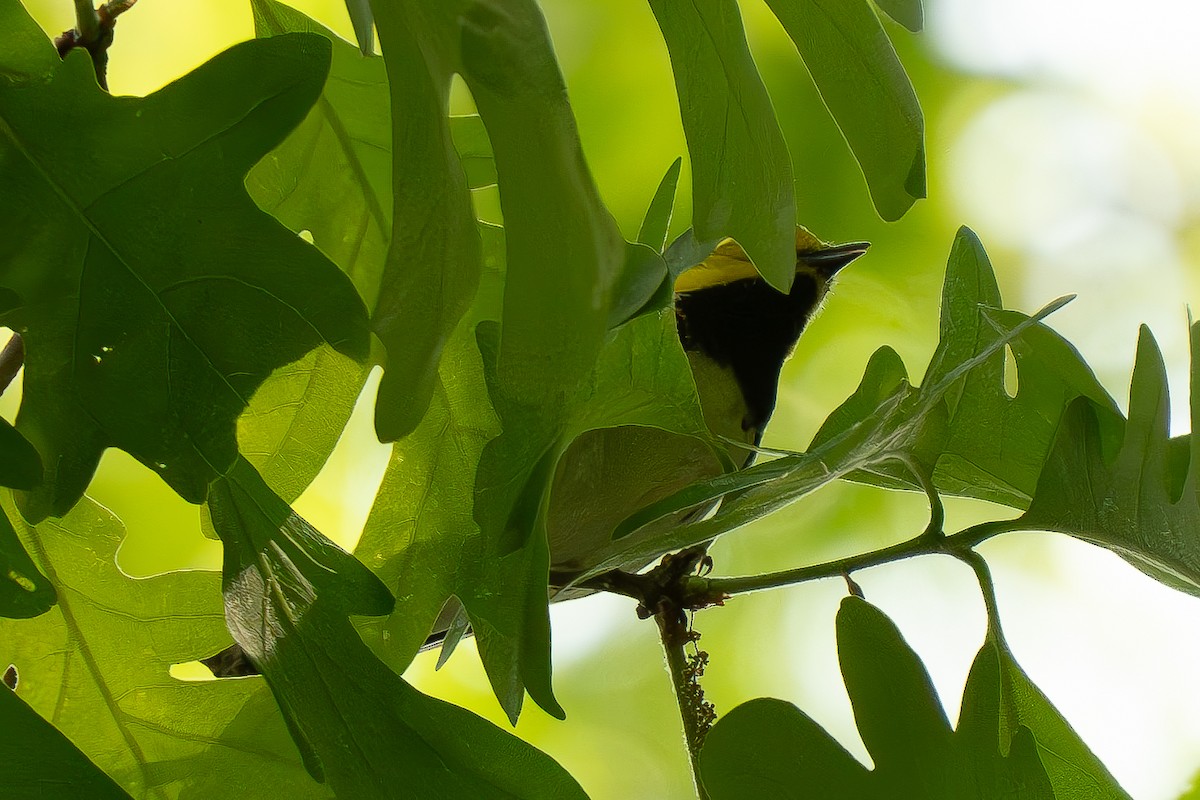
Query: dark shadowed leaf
(772, 749)
(363, 729)
(24, 591)
(149, 326)
(40, 763)
(20, 464)
(1117, 485)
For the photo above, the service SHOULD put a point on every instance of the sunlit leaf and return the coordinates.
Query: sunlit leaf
(148, 325)
(741, 170)
(332, 175)
(866, 90)
(97, 665)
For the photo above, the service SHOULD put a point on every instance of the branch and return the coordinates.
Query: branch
(696, 712)
(708, 588)
(11, 359)
(93, 32)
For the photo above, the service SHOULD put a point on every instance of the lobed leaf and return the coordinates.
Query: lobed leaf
(741, 170)
(362, 728)
(96, 667)
(433, 262)
(40, 763)
(778, 751)
(331, 177)
(148, 327)
(564, 259)
(1119, 486)
(866, 90)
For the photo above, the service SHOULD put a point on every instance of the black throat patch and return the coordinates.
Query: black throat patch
(751, 328)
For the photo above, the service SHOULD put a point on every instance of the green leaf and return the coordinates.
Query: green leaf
(564, 259)
(149, 326)
(332, 178)
(741, 170)
(40, 763)
(20, 465)
(434, 262)
(474, 150)
(24, 591)
(332, 175)
(657, 221)
(96, 666)
(776, 751)
(363, 729)
(1133, 498)
(908, 13)
(1074, 771)
(421, 536)
(866, 90)
(363, 22)
(997, 444)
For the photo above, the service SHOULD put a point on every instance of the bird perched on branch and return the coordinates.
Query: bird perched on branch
(737, 332)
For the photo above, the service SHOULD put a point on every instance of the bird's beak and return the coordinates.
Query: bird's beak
(831, 259)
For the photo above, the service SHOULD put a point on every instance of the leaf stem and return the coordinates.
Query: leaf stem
(986, 587)
(87, 22)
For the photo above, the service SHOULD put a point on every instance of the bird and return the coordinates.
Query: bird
(737, 332)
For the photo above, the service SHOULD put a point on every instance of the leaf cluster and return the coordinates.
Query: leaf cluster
(205, 277)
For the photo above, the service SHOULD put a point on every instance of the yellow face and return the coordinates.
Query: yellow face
(729, 263)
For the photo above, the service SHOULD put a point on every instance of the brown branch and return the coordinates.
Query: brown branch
(11, 359)
(94, 33)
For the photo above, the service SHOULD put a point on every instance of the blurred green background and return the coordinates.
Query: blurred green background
(1061, 131)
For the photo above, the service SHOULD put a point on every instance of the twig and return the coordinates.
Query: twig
(11, 359)
(697, 713)
(698, 589)
(93, 32)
